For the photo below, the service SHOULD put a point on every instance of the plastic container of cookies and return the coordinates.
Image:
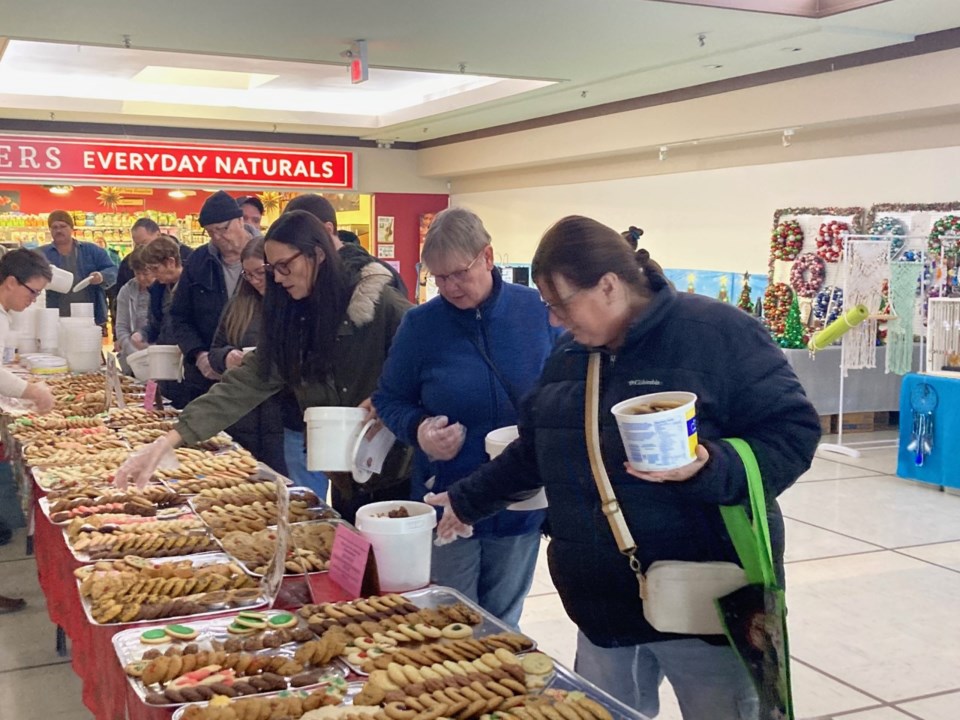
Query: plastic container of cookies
(208, 599)
(129, 648)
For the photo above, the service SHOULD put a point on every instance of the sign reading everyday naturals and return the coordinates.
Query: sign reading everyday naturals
(76, 159)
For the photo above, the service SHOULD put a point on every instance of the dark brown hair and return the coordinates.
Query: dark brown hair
(159, 250)
(135, 258)
(300, 338)
(583, 250)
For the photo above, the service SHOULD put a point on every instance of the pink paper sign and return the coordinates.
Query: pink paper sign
(348, 560)
(150, 395)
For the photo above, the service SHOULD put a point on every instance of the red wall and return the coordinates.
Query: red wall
(37, 199)
(406, 209)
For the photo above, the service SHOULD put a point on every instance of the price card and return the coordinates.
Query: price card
(150, 395)
(352, 564)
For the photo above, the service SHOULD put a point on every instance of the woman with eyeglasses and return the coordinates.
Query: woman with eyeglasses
(458, 369)
(649, 338)
(330, 326)
(261, 430)
(23, 276)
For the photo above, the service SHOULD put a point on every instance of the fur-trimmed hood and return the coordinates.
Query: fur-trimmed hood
(372, 279)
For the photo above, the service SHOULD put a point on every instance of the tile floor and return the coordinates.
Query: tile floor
(873, 570)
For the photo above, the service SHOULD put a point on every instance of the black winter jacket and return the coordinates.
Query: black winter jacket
(745, 389)
(195, 314)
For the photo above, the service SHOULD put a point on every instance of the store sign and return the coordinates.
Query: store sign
(32, 157)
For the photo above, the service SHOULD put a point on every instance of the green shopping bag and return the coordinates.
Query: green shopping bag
(755, 616)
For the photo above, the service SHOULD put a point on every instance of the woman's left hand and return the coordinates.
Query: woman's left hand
(681, 474)
(96, 278)
(371, 415)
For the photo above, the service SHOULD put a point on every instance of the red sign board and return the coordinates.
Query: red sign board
(34, 157)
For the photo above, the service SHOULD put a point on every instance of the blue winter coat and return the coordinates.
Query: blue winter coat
(434, 368)
(90, 258)
(745, 389)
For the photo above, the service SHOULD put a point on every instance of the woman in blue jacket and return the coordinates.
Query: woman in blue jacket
(457, 369)
(650, 339)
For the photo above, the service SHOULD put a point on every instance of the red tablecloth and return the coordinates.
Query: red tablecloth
(106, 692)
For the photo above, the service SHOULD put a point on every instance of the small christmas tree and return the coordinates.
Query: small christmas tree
(792, 337)
(744, 302)
(723, 295)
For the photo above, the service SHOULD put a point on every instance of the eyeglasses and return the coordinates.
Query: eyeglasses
(33, 292)
(259, 273)
(559, 307)
(458, 276)
(282, 267)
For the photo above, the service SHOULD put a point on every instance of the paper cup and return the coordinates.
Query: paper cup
(662, 440)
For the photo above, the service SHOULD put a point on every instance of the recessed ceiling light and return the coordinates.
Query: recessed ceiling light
(61, 189)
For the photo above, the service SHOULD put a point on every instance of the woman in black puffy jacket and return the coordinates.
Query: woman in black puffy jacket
(651, 339)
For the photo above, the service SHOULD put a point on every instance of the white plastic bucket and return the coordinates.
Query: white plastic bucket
(81, 310)
(402, 546)
(495, 443)
(166, 362)
(26, 342)
(662, 440)
(331, 437)
(62, 281)
(82, 345)
(139, 363)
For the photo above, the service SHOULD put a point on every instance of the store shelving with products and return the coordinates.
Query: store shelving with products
(111, 229)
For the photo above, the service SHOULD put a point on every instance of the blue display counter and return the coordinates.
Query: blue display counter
(942, 466)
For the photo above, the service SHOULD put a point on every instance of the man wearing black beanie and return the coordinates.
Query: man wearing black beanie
(210, 276)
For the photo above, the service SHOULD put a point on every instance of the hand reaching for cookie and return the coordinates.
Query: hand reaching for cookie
(142, 463)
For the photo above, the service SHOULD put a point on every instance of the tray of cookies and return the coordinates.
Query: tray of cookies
(489, 687)
(64, 505)
(287, 705)
(246, 653)
(253, 506)
(223, 480)
(419, 627)
(308, 548)
(135, 590)
(195, 462)
(187, 535)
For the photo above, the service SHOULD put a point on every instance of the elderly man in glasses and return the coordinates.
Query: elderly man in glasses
(209, 279)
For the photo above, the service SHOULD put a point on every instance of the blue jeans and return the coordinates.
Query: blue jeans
(494, 572)
(709, 680)
(295, 454)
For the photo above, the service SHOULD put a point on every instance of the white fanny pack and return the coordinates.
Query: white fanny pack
(678, 596)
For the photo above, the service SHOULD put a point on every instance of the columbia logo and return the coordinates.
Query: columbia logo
(644, 382)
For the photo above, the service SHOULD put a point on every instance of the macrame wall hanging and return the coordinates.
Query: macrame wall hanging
(903, 294)
(867, 266)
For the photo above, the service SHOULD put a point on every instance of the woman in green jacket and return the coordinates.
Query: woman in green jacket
(331, 326)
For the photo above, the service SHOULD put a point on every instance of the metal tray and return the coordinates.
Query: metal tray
(168, 513)
(201, 560)
(568, 680)
(435, 596)
(85, 558)
(253, 573)
(128, 648)
(352, 690)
